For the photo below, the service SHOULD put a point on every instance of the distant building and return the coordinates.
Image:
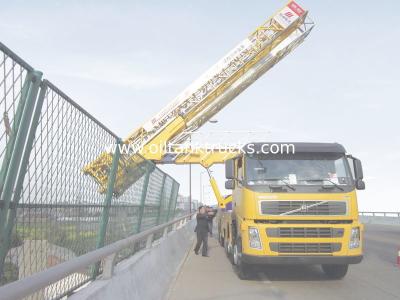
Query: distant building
(182, 203)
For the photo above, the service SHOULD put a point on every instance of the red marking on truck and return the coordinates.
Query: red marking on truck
(289, 14)
(296, 8)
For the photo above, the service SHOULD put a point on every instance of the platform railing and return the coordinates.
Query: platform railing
(107, 255)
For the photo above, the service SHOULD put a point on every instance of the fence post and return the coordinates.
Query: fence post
(161, 199)
(107, 203)
(170, 199)
(14, 165)
(17, 141)
(176, 197)
(15, 126)
(4, 247)
(143, 197)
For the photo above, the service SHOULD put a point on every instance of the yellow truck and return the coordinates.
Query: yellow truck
(295, 207)
(285, 208)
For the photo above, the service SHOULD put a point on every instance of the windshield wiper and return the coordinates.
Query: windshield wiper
(280, 179)
(325, 179)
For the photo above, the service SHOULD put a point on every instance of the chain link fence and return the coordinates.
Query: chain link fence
(50, 210)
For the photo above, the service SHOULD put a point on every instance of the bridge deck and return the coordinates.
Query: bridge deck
(377, 277)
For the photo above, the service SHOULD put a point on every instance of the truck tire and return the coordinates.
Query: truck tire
(335, 271)
(243, 269)
(221, 239)
(228, 253)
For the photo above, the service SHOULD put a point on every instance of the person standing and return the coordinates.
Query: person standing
(202, 229)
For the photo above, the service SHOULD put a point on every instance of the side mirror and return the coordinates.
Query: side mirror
(358, 174)
(358, 171)
(230, 184)
(230, 169)
(360, 184)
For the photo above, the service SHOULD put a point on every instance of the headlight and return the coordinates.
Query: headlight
(254, 238)
(354, 238)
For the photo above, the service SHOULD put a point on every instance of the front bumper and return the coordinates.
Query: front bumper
(300, 260)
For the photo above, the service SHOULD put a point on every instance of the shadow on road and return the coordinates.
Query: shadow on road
(286, 273)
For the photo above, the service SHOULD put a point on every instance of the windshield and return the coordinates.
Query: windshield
(302, 169)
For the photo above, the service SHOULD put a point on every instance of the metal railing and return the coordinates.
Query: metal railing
(386, 214)
(34, 283)
(50, 210)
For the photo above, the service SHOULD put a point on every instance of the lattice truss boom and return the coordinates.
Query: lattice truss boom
(217, 87)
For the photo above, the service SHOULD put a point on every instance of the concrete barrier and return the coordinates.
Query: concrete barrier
(380, 220)
(146, 275)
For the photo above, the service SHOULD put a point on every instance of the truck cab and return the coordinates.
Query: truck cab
(297, 206)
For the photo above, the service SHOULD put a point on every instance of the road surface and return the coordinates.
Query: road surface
(376, 278)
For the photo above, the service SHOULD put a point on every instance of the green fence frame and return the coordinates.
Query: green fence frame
(143, 199)
(161, 199)
(143, 204)
(22, 146)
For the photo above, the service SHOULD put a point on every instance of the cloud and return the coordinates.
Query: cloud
(118, 75)
(392, 156)
(133, 81)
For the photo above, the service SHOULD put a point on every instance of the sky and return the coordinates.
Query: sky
(124, 61)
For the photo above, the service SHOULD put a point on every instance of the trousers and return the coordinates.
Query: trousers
(202, 239)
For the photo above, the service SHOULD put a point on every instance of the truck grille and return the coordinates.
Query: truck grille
(304, 208)
(305, 232)
(305, 247)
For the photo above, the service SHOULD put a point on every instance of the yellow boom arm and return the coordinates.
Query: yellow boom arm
(217, 87)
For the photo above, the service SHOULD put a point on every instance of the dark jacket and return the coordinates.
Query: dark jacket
(211, 216)
(202, 223)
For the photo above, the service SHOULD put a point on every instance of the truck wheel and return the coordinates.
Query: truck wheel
(221, 239)
(243, 269)
(228, 251)
(335, 271)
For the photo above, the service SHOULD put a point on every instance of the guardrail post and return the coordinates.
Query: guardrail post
(143, 198)
(149, 241)
(107, 203)
(161, 199)
(14, 160)
(108, 268)
(165, 232)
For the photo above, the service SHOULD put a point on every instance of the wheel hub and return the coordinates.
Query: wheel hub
(235, 255)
